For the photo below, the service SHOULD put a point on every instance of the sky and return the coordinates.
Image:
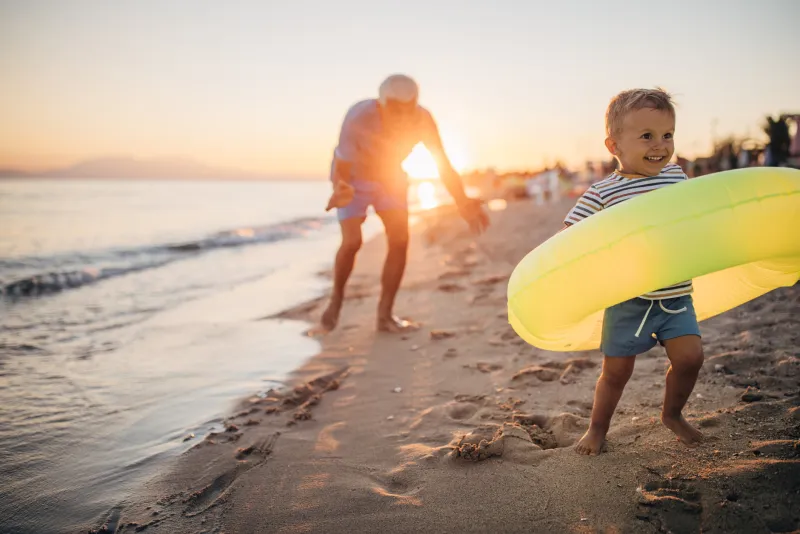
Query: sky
(263, 85)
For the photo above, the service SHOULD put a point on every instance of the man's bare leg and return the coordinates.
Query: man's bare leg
(685, 353)
(396, 224)
(616, 372)
(345, 260)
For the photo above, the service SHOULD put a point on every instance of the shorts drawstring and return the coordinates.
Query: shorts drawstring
(647, 313)
(645, 318)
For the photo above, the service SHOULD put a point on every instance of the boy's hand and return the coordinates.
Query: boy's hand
(343, 194)
(472, 212)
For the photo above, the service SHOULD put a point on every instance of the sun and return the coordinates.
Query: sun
(426, 195)
(420, 165)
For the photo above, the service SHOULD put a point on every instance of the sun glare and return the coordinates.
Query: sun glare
(426, 194)
(420, 165)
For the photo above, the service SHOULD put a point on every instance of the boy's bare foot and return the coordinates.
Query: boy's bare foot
(686, 433)
(592, 443)
(395, 325)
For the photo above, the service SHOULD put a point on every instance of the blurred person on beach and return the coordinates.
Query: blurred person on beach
(640, 125)
(376, 137)
(794, 145)
(779, 141)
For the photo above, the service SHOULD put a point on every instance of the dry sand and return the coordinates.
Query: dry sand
(461, 427)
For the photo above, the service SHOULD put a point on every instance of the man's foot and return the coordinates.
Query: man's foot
(592, 443)
(687, 434)
(396, 325)
(328, 321)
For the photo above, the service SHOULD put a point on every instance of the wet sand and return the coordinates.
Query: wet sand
(462, 427)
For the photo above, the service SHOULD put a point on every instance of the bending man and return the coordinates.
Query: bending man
(376, 137)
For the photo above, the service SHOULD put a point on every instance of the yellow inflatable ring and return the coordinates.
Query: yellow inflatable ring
(736, 234)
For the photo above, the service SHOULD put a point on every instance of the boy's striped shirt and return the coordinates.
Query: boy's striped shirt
(618, 188)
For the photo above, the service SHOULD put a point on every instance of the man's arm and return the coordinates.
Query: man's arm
(346, 149)
(343, 156)
(469, 208)
(343, 192)
(341, 170)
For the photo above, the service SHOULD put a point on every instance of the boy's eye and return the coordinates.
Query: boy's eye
(668, 136)
(647, 136)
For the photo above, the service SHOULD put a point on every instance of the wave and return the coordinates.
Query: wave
(53, 274)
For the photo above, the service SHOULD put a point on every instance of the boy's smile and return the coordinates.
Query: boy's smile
(644, 144)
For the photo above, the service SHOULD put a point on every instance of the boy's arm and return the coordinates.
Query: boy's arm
(588, 204)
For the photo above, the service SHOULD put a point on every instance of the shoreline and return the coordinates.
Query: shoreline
(462, 427)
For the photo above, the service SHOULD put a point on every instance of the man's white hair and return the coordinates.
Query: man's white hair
(398, 87)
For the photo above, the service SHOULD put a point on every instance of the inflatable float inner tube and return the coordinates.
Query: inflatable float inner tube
(736, 234)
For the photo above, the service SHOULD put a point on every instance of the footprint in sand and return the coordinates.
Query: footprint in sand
(491, 280)
(451, 274)
(495, 342)
(484, 367)
(567, 428)
(671, 506)
(437, 335)
(542, 373)
(509, 335)
(211, 495)
(562, 430)
(111, 522)
(461, 397)
(449, 287)
(564, 371)
(526, 419)
(482, 296)
(581, 407)
(779, 448)
(400, 485)
(461, 410)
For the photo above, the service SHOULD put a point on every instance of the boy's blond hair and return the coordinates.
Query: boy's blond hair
(635, 99)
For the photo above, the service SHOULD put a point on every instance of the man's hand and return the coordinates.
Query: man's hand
(343, 194)
(472, 212)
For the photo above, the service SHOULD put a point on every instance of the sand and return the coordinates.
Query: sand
(462, 427)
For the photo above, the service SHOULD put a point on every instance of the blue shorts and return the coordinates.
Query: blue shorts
(637, 325)
(381, 196)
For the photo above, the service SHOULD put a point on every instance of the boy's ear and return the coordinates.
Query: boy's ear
(611, 145)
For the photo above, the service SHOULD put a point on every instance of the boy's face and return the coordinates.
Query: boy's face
(644, 144)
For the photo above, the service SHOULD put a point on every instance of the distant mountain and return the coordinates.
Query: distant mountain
(144, 169)
(13, 173)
